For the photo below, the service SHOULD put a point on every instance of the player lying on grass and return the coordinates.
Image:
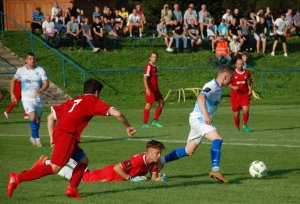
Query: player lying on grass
(201, 124)
(74, 116)
(133, 169)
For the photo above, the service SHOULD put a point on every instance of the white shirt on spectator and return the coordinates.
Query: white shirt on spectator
(234, 46)
(54, 11)
(227, 18)
(49, 26)
(280, 26)
(133, 18)
(190, 16)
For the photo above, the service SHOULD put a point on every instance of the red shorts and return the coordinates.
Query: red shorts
(105, 174)
(154, 96)
(65, 145)
(239, 100)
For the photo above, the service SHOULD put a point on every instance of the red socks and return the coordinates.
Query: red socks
(236, 122)
(146, 115)
(77, 175)
(35, 173)
(245, 118)
(157, 112)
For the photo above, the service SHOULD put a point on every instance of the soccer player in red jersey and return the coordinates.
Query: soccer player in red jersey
(74, 117)
(242, 84)
(133, 169)
(152, 91)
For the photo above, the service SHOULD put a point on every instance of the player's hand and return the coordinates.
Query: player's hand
(161, 178)
(148, 92)
(249, 92)
(13, 98)
(138, 179)
(235, 88)
(131, 131)
(207, 119)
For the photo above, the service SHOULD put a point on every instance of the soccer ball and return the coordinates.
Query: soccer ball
(258, 169)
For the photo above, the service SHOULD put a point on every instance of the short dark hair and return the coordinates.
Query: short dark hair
(225, 68)
(91, 86)
(29, 54)
(153, 52)
(155, 144)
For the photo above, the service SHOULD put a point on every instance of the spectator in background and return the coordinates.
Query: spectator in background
(289, 20)
(109, 21)
(245, 57)
(177, 14)
(134, 21)
(223, 29)
(235, 48)
(205, 22)
(71, 11)
(252, 20)
(59, 22)
(50, 32)
(98, 34)
(235, 31)
(37, 20)
(97, 14)
(189, 15)
(179, 34)
(119, 23)
(280, 29)
(297, 23)
(201, 13)
(87, 35)
(247, 36)
(141, 13)
(227, 17)
(124, 13)
(81, 18)
(194, 35)
(212, 33)
(73, 32)
(269, 19)
(260, 34)
(236, 14)
(166, 13)
(55, 10)
(222, 50)
(162, 33)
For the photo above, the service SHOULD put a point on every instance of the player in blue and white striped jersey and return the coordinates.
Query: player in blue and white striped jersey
(34, 82)
(201, 125)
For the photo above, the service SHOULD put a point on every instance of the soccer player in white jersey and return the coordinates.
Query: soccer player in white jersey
(34, 82)
(201, 123)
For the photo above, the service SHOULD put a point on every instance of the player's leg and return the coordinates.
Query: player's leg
(146, 114)
(236, 111)
(283, 41)
(274, 45)
(215, 154)
(159, 109)
(245, 118)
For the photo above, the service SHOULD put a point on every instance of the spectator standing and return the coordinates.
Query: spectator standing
(260, 34)
(177, 14)
(246, 33)
(37, 20)
(280, 29)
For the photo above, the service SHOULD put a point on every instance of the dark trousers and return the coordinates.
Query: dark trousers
(34, 25)
(71, 39)
(100, 41)
(56, 39)
(298, 31)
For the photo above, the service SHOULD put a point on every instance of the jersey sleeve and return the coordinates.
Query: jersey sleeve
(17, 74)
(147, 70)
(129, 164)
(154, 168)
(43, 75)
(207, 90)
(101, 108)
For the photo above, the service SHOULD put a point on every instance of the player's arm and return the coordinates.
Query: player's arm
(51, 123)
(233, 87)
(250, 85)
(114, 112)
(43, 88)
(201, 100)
(12, 88)
(119, 170)
(146, 81)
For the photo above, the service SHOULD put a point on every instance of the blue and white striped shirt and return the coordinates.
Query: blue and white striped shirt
(37, 17)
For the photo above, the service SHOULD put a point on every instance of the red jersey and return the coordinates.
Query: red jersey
(75, 114)
(135, 166)
(151, 73)
(241, 80)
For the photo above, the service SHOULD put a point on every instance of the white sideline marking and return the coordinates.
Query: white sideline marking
(171, 141)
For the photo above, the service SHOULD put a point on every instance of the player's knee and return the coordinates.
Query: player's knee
(55, 168)
(84, 160)
(189, 152)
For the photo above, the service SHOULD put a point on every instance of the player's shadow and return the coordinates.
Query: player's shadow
(13, 122)
(102, 140)
(269, 129)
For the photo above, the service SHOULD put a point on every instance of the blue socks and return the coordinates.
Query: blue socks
(174, 155)
(34, 129)
(215, 153)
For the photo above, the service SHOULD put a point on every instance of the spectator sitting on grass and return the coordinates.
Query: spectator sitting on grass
(87, 35)
(166, 13)
(97, 14)
(134, 21)
(73, 32)
(50, 32)
(179, 34)
(37, 20)
(98, 34)
(193, 32)
(162, 32)
(212, 33)
(222, 50)
(109, 21)
(176, 14)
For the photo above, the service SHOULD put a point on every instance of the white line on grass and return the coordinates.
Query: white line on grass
(170, 141)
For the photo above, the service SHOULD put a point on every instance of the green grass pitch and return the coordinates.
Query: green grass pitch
(274, 140)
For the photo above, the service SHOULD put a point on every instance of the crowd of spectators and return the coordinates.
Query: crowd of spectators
(227, 37)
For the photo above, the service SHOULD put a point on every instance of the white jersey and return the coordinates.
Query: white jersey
(133, 18)
(31, 79)
(213, 93)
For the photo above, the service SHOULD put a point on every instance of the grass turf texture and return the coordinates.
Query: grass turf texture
(274, 140)
(126, 89)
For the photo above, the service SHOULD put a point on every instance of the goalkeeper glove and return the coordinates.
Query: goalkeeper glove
(138, 179)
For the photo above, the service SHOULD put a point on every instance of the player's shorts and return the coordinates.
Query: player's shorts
(239, 100)
(154, 96)
(198, 130)
(101, 175)
(282, 38)
(65, 147)
(33, 105)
